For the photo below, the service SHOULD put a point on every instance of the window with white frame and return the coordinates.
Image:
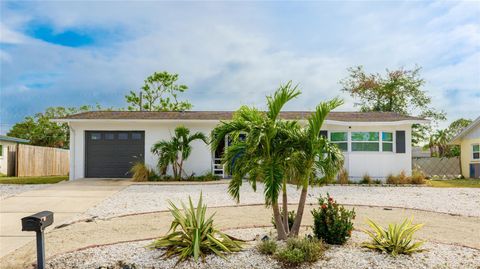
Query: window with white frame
(476, 151)
(365, 141)
(340, 139)
(387, 141)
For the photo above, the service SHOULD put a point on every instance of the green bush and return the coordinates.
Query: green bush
(209, 176)
(298, 251)
(140, 172)
(332, 223)
(396, 239)
(342, 177)
(366, 179)
(377, 181)
(192, 234)
(291, 218)
(267, 247)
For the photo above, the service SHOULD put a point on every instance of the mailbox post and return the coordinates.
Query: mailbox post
(37, 223)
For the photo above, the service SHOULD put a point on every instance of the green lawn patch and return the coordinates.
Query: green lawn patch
(454, 183)
(32, 180)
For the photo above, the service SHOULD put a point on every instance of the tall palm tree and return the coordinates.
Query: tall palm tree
(315, 156)
(176, 150)
(261, 155)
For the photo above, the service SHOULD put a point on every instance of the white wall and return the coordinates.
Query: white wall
(199, 161)
(376, 164)
(4, 157)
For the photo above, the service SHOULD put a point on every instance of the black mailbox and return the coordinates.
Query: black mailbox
(37, 222)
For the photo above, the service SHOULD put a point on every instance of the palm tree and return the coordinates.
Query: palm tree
(176, 150)
(314, 156)
(261, 155)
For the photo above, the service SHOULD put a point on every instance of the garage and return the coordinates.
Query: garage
(111, 154)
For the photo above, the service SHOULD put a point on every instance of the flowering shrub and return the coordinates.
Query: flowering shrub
(332, 222)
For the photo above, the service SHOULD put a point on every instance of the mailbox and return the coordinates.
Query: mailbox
(37, 222)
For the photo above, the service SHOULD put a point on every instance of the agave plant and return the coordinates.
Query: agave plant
(192, 234)
(396, 239)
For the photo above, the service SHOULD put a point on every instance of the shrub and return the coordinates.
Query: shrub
(403, 178)
(192, 234)
(291, 218)
(298, 251)
(391, 179)
(377, 181)
(366, 179)
(332, 222)
(209, 176)
(140, 172)
(418, 177)
(267, 247)
(342, 177)
(396, 239)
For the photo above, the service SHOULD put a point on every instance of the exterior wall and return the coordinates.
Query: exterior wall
(376, 164)
(4, 157)
(199, 161)
(466, 157)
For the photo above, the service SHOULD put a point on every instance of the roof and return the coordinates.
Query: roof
(465, 131)
(227, 115)
(13, 139)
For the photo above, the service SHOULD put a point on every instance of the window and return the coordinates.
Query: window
(365, 141)
(109, 136)
(122, 136)
(1, 150)
(136, 136)
(476, 152)
(340, 139)
(95, 136)
(387, 141)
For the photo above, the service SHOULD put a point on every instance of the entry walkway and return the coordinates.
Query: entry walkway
(65, 199)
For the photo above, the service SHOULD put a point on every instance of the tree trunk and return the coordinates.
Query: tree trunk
(282, 235)
(285, 208)
(301, 207)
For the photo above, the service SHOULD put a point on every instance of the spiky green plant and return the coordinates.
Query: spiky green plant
(396, 239)
(192, 234)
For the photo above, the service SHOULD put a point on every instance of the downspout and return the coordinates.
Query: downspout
(72, 153)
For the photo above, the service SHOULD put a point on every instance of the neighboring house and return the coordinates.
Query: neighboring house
(5, 142)
(106, 143)
(469, 141)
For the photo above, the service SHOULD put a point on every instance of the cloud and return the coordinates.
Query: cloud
(236, 53)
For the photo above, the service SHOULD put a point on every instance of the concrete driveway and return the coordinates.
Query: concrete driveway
(65, 199)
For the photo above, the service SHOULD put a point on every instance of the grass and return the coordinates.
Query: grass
(454, 183)
(32, 180)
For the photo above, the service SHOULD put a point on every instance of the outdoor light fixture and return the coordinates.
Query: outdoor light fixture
(37, 223)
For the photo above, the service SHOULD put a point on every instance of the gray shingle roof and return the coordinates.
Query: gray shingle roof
(13, 139)
(226, 115)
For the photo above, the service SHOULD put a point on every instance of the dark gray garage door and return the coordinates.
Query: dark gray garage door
(112, 153)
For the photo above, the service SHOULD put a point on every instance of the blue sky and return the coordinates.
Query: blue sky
(231, 53)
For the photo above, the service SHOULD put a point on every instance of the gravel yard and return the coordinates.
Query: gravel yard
(9, 190)
(348, 256)
(148, 198)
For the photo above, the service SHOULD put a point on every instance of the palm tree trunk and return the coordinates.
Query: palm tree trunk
(282, 235)
(301, 207)
(285, 207)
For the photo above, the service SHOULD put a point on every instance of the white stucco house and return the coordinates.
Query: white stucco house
(469, 141)
(5, 142)
(105, 143)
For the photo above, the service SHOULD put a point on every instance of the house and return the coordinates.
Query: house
(5, 142)
(106, 143)
(469, 141)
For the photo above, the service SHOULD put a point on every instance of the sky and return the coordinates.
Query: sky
(231, 53)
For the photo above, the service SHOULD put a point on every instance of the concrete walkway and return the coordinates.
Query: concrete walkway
(65, 199)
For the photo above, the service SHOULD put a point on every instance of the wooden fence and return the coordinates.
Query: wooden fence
(41, 161)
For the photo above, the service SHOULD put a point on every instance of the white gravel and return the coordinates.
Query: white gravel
(9, 190)
(347, 256)
(148, 198)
